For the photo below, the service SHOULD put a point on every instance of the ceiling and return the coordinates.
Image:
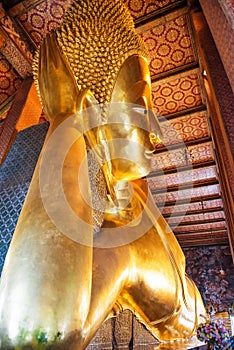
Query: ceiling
(184, 178)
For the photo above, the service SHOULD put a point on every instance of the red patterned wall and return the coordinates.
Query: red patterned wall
(44, 17)
(177, 93)
(169, 43)
(199, 194)
(184, 129)
(191, 176)
(139, 8)
(215, 204)
(195, 154)
(10, 80)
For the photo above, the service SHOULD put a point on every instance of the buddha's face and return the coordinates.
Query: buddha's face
(131, 127)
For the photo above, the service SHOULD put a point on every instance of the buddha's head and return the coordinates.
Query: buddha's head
(108, 58)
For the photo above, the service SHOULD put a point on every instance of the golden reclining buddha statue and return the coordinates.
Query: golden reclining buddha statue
(90, 242)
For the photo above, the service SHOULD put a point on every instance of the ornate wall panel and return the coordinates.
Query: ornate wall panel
(202, 152)
(204, 238)
(171, 159)
(169, 43)
(13, 47)
(191, 155)
(187, 195)
(139, 8)
(191, 176)
(184, 129)
(201, 227)
(216, 216)
(46, 16)
(10, 80)
(178, 93)
(17, 60)
(202, 205)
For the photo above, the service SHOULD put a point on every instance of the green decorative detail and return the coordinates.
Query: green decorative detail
(40, 336)
(39, 340)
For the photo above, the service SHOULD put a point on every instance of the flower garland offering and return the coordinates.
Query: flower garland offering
(213, 332)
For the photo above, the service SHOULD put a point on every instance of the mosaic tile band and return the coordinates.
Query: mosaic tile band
(15, 177)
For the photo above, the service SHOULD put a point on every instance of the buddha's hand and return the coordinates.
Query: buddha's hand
(57, 86)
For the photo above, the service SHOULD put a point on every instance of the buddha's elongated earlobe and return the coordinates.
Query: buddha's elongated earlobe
(90, 111)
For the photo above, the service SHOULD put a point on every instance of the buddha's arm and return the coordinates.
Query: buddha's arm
(156, 287)
(164, 298)
(46, 281)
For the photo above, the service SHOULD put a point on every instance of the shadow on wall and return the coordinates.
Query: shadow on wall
(212, 270)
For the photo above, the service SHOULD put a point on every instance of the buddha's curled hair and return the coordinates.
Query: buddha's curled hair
(97, 36)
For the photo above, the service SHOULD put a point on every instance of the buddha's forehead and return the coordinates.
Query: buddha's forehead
(133, 81)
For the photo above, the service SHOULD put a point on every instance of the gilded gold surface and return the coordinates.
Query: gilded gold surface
(56, 289)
